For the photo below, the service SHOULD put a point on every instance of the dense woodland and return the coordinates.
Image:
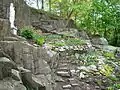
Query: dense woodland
(94, 16)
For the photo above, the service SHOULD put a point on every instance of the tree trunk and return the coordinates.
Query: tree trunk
(68, 18)
(105, 33)
(38, 4)
(43, 4)
(49, 5)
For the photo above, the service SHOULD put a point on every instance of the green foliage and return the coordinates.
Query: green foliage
(27, 33)
(114, 87)
(102, 17)
(117, 86)
(89, 58)
(107, 70)
(52, 37)
(74, 41)
(110, 88)
(39, 39)
(109, 54)
(59, 44)
(68, 42)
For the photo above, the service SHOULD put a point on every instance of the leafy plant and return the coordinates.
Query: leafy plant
(110, 88)
(51, 37)
(113, 78)
(107, 70)
(89, 58)
(117, 86)
(74, 41)
(39, 39)
(114, 87)
(108, 54)
(27, 33)
(59, 44)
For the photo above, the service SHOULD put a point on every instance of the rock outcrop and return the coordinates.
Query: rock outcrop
(4, 28)
(10, 78)
(29, 57)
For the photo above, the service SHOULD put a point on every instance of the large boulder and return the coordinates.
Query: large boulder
(99, 41)
(11, 84)
(10, 78)
(30, 80)
(5, 67)
(30, 58)
(83, 35)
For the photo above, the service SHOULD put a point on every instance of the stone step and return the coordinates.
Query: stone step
(63, 64)
(71, 79)
(63, 73)
(65, 61)
(73, 82)
(62, 69)
(59, 79)
(67, 86)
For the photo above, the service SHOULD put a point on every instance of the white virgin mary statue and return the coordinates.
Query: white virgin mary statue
(12, 19)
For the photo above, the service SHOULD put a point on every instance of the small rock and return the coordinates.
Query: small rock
(83, 68)
(63, 73)
(61, 49)
(77, 55)
(88, 88)
(58, 79)
(97, 87)
(82, 75)
(16, 75)
(71, 79)
(73, 72)
(67, 86)
(75, 84)
(92, 67)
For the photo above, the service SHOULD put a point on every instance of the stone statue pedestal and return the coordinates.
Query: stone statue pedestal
(4, 28)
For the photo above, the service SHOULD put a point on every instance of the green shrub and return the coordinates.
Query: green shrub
(39, 39)
(52, 37)
(114, 87)
(89, 58)
(107, 71)
(74, 41)
(110, 88)
(27, 33)
(108, 54)
(117, 86)
(59, 44)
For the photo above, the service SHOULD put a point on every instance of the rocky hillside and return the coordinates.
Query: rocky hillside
(53, 56)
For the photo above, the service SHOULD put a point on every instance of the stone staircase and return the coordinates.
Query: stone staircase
(68, 77)
(66, 73)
